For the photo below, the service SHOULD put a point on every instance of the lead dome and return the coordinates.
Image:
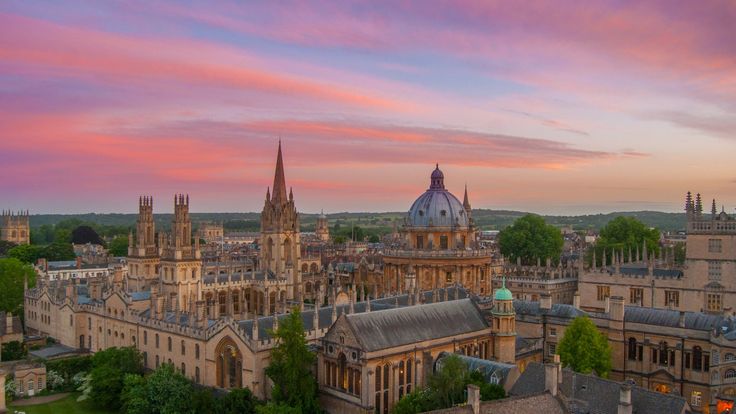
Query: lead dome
(437, 207)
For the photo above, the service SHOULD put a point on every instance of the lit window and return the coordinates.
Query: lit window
(696, 398)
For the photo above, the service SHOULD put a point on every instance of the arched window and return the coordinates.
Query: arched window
(632, 348)
(409, 366)
(183, 369)
(145, 337)
(342, 379)
(402, 373)
(443, 242)
(663, 353)
(730, 374)
(730, 357)
(196, 351)
(196, 375)
(697, 358)
(156, 345)
(157, 361)
(168, 343)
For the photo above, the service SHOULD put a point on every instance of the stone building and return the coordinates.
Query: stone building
(15, 227)
(209, 320)
(531, 282)
(706, 282)
(11, 328)
(322, 229)
(691, 354)
(439, 243)
(211, 232)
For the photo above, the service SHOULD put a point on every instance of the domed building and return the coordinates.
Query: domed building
(439, 243)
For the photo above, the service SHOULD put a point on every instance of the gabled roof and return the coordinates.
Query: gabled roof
(671, 318)
(588, 393)
(396, 327)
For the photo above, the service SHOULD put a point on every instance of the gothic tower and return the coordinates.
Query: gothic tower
(504, 325)
(322, 230)
(15, 227)
(280, 251)
(181, 263)
(143, 254)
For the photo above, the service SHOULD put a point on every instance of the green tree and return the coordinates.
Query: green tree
(291, 363)
(118, 246)
(58, 250)
(415, 402)
(109, 368)
(624, 234)
(165, 391)
(238, 401)
(12, 273)
(278, 408)
(374, 238)
(488, 391)
(340, 239)
(26, 253)
(5, 246)
(448, 384)
(584, 348)
(530, 238)
(13, 351)
(86, 234)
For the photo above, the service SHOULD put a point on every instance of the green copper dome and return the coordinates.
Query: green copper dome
(503, 293)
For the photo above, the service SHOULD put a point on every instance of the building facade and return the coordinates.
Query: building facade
(439, 244)
(705, 283)
(15, 227)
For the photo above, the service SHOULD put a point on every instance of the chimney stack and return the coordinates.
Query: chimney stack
(545, 301)
(624, 401)
(474, 398)
(550, 378)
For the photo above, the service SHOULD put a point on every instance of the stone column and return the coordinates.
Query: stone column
(2, 392)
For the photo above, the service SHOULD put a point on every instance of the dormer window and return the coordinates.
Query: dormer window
(443, 213)
(421, 213)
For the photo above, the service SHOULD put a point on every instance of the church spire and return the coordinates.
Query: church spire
(466, 203)
(279, 183)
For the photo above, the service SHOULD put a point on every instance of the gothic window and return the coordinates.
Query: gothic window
(714, 245)
(636, 295)
(697, 358)
(196, 351)
(183, 369)
(145, 337)
(729, 374)
(196, 375)
(632, 348)
(603, 292)
(183, 348)
(671, 298)
(663, 353)
(714, 270)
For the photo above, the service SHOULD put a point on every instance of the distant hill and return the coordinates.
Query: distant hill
(486, 219)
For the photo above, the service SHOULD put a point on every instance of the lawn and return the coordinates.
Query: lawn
(68, 405)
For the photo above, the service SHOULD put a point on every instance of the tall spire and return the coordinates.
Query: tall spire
(279, 183)
(466, 203)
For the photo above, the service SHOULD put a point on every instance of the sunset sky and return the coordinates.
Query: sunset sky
(561, 107)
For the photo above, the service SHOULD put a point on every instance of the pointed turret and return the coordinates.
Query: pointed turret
(279, 182)
(713, 209)
(466, 203)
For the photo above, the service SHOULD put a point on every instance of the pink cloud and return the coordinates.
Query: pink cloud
(70, 51)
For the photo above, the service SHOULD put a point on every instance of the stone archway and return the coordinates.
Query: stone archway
(229, 364)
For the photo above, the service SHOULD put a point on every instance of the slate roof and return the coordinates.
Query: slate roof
(489, 369)
(145, 295)
(396, 327)
(53, 351)
(671, 318)
(592, 394)
(525, 307)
